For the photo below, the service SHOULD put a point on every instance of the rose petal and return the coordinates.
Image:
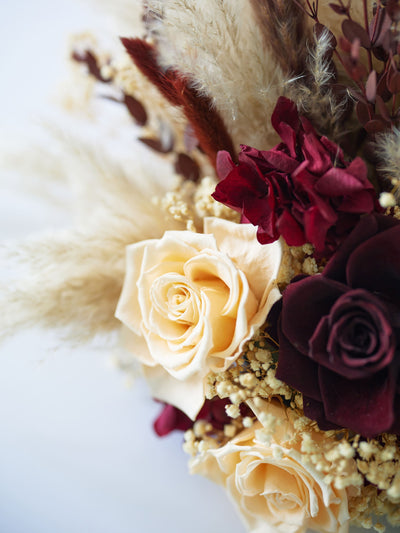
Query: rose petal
(297, 370)
(365, 405)
(314, 296)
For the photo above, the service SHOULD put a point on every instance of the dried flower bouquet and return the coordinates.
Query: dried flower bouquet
(260, 294)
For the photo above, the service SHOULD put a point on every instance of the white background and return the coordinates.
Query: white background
(77, 452)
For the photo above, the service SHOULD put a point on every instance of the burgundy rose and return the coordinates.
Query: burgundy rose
(302, 189)
(172, 418)
(339, 333)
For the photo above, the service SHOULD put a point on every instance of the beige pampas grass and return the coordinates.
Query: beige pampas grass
(72, 279)
(312, 93)
(219, 46)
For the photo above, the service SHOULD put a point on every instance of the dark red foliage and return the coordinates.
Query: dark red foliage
(207, 124)
(302, 189)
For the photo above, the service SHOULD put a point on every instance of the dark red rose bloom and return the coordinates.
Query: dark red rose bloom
(302, 189)
(339, 333)
(172, 418)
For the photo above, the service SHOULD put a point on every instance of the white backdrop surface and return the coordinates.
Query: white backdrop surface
(77, 452)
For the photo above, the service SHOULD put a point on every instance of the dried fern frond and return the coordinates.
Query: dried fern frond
(220, 47)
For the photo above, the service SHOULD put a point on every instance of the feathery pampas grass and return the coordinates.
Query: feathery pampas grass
(73, 278)
(221, 48)
(312, 93)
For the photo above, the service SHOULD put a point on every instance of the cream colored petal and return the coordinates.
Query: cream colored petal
(188, 395)
(136, 345)
(259, 262)
(128, 311)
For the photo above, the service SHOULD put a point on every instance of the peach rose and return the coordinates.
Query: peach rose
(191, 301)
(273, 489)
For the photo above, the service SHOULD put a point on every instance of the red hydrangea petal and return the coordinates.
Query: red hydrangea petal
(285, 120)
(224, 164)
(290, 229)
(338, 182)
(362, 202)
(318, 160)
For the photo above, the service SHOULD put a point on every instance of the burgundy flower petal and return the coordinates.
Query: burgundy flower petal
(364, 406)
(338, 182)
(304, 304)
(224, 164)
(169, 419)
(362, 202)
(318, 160)
(375, 264)
(336, 267)
(297, 370)
(285, 120)
(356, 340)
(290, 229)
(314, 410)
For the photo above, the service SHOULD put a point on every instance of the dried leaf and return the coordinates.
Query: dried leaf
(136, 109)
(156, 144)
(394, 82)
(370, 86)
(90, 61)
(383, 110)
(340, 10)
(376, 125)
(363, 111)
(187, 167)
(352, 30)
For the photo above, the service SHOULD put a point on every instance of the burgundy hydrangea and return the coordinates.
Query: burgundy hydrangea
(172, 418)
(303, 189)
(339, 333)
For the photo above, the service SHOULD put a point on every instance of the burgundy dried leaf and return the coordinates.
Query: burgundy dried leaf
(382, 89)
(352, 30)
(89, 59)
(345, 44)
(156, 144)
(380, 53)
(370, 86)
(394, 82)
(340, 10)
(383, 110)
(393, 10)
(187, 167)
(363, 111)
(355, 50)
(136, 109)
(379, 26)
(375, 125)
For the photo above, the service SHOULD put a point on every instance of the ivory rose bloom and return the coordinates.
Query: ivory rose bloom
(190, 301)
(273, 489)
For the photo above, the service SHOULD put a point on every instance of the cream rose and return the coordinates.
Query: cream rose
(273, 489)
(191, 300)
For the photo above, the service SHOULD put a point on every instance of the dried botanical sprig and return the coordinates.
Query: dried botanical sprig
(284, 27)
(204, 118)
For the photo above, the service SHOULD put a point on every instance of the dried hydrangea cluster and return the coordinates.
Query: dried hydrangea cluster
(261, 294)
